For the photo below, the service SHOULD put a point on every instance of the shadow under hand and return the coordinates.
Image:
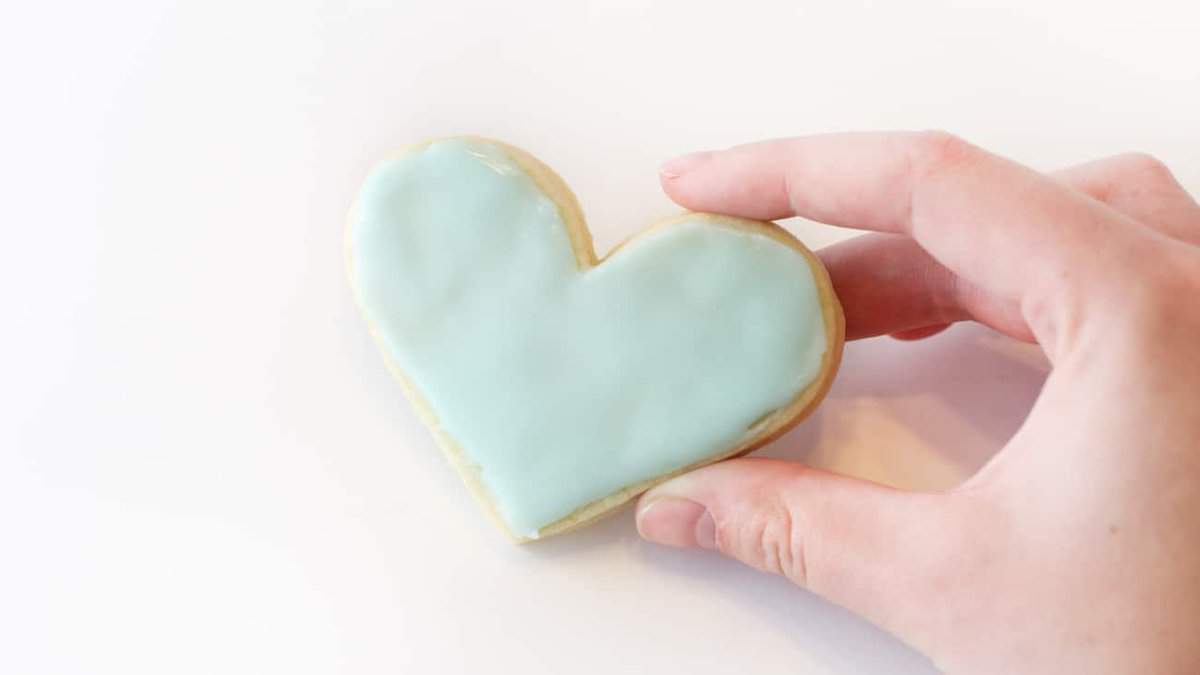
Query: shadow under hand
(614, 530)
(915, 415)
(920, 415)
(759, 602)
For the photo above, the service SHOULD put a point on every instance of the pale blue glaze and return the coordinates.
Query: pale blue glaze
(562, 385)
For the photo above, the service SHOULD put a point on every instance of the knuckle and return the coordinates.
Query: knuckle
(937, 148)
(1146, 168)
(770, 542)
(931, 156)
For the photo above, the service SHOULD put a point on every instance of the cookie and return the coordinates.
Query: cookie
(561, 385)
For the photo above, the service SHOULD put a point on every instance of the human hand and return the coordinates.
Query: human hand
(1077, 548)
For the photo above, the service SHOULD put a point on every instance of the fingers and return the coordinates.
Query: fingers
(847, 540)
(888, 284)
(1007, 230)
(1142, 188)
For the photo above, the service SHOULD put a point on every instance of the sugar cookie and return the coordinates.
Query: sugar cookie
(561, 385)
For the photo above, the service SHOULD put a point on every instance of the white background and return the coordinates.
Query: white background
(204, 466)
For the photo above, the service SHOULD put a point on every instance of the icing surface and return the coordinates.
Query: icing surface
(561, 384)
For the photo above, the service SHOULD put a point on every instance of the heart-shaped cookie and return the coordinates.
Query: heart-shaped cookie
(561, 386)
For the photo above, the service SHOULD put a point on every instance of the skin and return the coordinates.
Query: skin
(1077, 548)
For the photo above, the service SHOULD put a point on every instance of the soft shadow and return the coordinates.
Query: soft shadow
(920, 415)
(990, 379)
(917, 415)
(615, 530)
(830, 634)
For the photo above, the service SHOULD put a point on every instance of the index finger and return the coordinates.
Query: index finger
(1001, 226)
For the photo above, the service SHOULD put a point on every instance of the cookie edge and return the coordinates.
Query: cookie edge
(771, 427)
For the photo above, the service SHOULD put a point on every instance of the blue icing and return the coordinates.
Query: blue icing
(564, 386)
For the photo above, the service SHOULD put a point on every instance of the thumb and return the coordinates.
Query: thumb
(859, 544)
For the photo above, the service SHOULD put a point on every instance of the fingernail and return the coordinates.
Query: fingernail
(674, 168)
(677, 522)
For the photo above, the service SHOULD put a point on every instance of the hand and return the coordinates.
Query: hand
(1077, 548)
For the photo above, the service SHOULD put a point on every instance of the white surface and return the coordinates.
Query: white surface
(206, 468)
